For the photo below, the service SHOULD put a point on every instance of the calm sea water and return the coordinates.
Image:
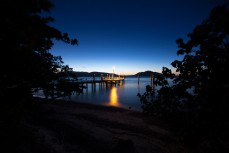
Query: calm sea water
(124, 95)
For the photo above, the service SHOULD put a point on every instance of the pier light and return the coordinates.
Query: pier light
(113, 68)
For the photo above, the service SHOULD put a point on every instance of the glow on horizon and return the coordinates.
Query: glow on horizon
(120, 63)
(121, 70)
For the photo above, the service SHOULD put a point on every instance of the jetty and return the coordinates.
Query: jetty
(110, 79)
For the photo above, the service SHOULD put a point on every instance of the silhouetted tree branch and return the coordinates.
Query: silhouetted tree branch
(197, 102)
(25, 40)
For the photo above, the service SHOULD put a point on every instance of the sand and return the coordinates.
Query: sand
(66, 127)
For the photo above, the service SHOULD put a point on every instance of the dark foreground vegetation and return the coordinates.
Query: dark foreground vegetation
(197, 103)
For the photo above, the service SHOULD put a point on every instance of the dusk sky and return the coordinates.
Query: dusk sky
(128, 35)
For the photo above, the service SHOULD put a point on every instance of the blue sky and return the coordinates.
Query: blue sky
(130, 35)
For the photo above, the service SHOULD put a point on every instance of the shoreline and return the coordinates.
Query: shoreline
(60, 100)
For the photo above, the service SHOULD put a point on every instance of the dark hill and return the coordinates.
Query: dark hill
(147, 74)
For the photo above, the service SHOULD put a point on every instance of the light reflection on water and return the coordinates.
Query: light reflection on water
(113, 97)
(124, 95)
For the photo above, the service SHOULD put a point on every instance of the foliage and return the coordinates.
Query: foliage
(25, 40)
(197, 101)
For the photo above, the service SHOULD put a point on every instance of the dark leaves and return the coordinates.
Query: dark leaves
(26, 38)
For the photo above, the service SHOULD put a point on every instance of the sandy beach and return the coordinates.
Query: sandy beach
(66, 127)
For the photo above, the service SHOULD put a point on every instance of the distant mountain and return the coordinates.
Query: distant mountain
(147, 74)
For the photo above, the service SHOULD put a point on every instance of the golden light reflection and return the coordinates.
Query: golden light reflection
(113, 97)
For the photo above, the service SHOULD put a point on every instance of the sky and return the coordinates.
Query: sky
(125, 36)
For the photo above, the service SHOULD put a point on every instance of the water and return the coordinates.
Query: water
(124, 96)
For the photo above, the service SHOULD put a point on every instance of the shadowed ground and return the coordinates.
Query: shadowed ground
(66, 127)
